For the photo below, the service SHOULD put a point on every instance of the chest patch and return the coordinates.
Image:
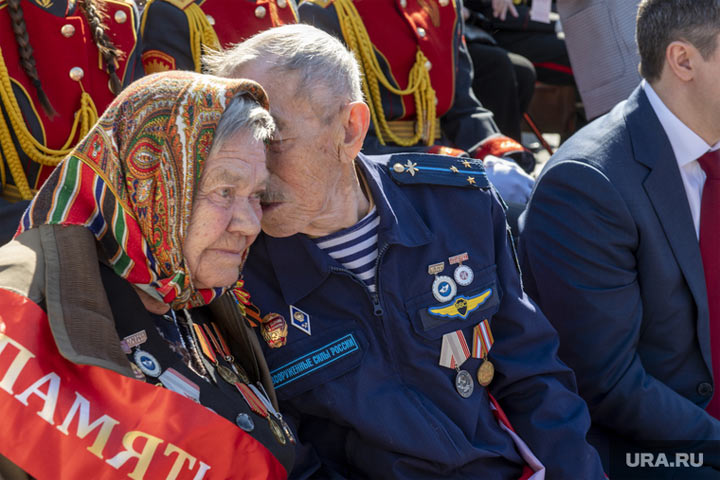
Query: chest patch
(462, 306)
(315, 360)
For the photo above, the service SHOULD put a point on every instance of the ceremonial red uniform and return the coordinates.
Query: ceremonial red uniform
(175, 32)
(69, 64)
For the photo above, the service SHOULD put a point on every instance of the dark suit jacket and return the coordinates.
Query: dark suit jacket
(609, 252)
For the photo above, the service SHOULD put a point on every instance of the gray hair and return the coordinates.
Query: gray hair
(661, 22)
(243, 114)
(323, 62)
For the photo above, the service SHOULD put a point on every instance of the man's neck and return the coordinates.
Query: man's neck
(689, 108)
(347, 204)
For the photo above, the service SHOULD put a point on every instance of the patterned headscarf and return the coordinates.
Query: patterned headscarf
(131, 180)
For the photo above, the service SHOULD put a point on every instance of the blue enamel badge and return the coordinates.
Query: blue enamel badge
(461, 306)
(300, 319)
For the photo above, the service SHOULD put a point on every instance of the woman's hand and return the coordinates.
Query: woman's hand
(501, 7)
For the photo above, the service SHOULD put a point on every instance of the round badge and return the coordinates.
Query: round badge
(147, 363)
(244, 421)
(276, 431)
(464, 275)
(485, 373)
(464, 384)
(443, 288)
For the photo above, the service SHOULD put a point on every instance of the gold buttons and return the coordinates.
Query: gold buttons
(428, 65)
(210, 19)
(398, 168)
(260, 12)
(120, 16)
(67, 30)
(77, 73)
(444, 3)
(421, 32)
(282, 3)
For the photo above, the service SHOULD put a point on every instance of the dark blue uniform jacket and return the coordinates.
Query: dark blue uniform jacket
(365, 390)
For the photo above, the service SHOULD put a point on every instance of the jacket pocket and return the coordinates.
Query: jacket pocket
(316, 360)
(431, 319)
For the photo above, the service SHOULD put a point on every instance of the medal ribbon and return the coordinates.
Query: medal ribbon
(482, 339)
(65, 421)
(454, 350)
(255, 404)
(205, 344)
(223, 344)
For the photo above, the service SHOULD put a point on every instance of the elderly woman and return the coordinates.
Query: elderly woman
(123, 352)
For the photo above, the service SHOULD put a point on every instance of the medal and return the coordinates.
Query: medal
(179, 383)
(464, 383)
(268, 404)
(485, 373)
(244, 421)
(239, 371)
(276, 431)
(453, 353)
(274, 330)
(147, 363)
(463, 274)
(443, 288)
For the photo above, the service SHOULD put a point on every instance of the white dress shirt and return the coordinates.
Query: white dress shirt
(688, 147)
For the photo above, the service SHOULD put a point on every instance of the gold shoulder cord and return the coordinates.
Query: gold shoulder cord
(202, 34)
(85, 118)
(419, 86)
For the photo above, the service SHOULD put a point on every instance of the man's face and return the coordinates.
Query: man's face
(226, 212)
(303, 160)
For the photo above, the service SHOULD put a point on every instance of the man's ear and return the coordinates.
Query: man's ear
(356, 121)
(681, 58)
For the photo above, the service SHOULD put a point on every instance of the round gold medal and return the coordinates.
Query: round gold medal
(227, 374)
(276, 430)
(485, 373)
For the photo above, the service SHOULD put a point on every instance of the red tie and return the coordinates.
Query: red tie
(710, 251)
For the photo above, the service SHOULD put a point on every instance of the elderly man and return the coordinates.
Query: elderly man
(400, 288)
(620, 241)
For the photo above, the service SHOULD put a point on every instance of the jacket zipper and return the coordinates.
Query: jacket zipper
(374, 297)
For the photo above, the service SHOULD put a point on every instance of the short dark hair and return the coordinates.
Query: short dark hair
(661, 22)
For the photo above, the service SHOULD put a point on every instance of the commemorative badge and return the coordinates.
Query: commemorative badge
(463, 274)
(244, 421)
(300, 320)
(482, 343)
(443, 287)
(147, 363)
(179, 383)
(453, 353)
(274, 330)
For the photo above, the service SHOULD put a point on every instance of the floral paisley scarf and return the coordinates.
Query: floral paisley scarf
(131, 180)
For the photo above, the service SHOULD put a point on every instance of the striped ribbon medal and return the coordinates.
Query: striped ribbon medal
(482, 343)
(453, 353)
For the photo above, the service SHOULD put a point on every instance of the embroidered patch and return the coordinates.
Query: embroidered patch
(315, 360)
(461, 306)
(300, 319)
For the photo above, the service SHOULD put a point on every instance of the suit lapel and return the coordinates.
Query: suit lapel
(666, 192)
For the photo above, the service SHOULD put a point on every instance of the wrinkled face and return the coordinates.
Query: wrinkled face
(226, 211)
(303, 160)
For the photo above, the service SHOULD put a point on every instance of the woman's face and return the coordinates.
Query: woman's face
(226, 212)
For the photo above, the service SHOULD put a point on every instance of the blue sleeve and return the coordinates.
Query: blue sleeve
(534, 388)
(166, 29)
(578, 246)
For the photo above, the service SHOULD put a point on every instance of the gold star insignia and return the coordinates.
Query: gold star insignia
(411, 167)
(471, 180)
(454, 169)
(466, 163)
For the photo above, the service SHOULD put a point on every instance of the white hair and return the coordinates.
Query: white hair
(320, 59)
(243, 114)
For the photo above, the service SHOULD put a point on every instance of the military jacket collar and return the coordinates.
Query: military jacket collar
(300, 266)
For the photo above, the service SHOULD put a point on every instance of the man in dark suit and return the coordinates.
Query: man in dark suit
(618, 248)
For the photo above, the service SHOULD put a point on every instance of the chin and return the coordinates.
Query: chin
(276, 226)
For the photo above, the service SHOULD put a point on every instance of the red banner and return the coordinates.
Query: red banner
(61, 420)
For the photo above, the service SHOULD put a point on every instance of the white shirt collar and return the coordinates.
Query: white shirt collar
(687, 145)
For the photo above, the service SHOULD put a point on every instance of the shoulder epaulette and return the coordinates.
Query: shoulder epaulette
(181, 4)
(431, 169)
(320, 3)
